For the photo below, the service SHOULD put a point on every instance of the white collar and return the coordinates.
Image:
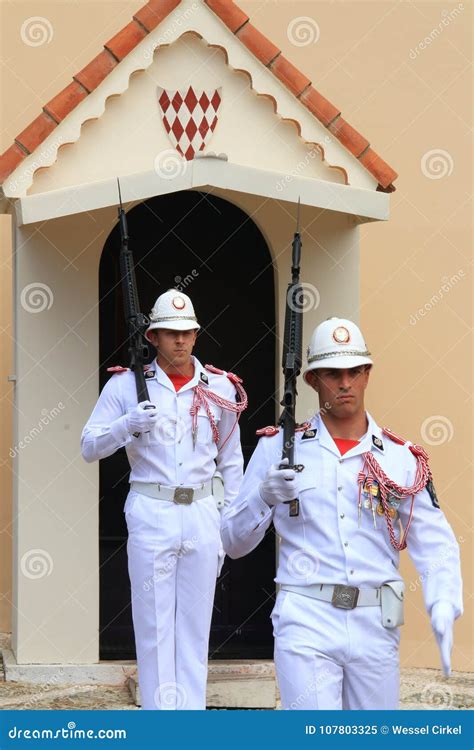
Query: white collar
(372, 440)
(200, 376)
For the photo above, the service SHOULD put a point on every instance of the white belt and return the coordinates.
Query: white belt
(344, 597)
(180, 495)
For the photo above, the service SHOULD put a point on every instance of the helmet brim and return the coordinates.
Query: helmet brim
(337, 363)
(173, 325)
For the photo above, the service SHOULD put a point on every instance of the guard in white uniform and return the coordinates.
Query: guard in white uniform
(363, 495)
(186, 462)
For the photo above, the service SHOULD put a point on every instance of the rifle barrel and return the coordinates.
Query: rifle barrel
(135, 320)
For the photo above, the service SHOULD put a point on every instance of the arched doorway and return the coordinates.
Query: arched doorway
(213, 251)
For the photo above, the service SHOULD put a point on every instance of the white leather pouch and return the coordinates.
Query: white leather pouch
(392, 603)
(218, 489)
(218, 495)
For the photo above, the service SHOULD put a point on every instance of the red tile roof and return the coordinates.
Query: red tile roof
(143, 22)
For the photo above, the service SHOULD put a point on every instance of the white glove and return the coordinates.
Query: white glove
(140, 419)
(280, 485)
(442, 621)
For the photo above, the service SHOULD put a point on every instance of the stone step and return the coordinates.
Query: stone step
(233, 684)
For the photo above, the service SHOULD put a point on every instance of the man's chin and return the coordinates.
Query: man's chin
(345, 410)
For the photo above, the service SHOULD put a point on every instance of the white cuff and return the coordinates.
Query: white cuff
(259, 508)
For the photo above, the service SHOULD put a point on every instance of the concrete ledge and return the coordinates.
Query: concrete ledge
(103, 673)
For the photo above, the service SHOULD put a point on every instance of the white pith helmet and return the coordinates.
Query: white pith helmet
(338, 343)
(173, 309)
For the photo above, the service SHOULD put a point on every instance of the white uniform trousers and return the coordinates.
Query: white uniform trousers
(173, 553)
(331, 659)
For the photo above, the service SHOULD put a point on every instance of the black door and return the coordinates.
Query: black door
(214, 252)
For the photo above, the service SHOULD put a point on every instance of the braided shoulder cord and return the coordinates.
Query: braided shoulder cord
(202, 396)
(373, 471)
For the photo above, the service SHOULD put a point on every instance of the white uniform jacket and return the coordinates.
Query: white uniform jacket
(166, 455)
(324, 543)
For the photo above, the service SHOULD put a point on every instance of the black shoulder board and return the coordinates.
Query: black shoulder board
(430, 488)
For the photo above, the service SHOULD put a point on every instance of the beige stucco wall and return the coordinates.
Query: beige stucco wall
(401, 75)
(6, 406)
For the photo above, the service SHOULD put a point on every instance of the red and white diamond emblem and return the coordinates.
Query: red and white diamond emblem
(189, 117)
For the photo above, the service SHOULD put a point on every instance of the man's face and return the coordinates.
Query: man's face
(341, 392)
(174, 347)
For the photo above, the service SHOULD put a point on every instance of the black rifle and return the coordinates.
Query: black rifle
(292, 358)
(136, 322)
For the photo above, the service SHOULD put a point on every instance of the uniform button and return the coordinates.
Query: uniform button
(346, 544)
(180, 463)
(340, 460)
(262, 512)
(342, 515)
(340, 487)
(351, 572)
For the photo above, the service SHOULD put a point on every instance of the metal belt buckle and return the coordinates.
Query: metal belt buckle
(183, 495)
(345, 597)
